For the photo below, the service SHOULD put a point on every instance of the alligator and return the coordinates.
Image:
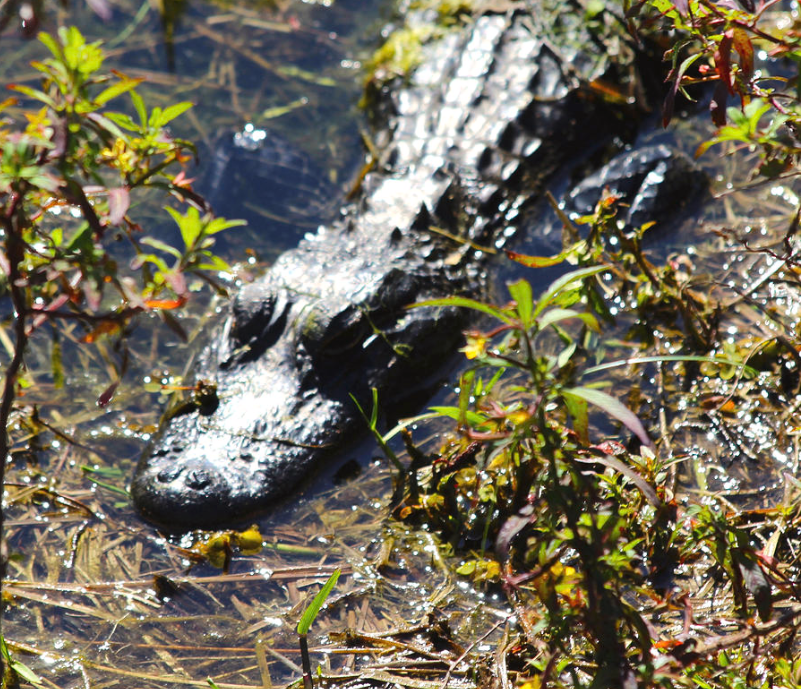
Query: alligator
(494, 110)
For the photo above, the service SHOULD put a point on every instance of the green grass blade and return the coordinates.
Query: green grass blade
(314, 607)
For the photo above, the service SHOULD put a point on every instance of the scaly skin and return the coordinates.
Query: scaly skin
(488, 116)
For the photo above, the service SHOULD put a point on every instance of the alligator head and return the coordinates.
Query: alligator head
(325, 323)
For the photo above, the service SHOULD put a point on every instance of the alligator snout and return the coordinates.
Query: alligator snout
(180, 493)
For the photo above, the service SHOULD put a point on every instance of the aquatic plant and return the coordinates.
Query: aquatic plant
(70, 172)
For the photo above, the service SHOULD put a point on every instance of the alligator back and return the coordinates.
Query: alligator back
(470, 140)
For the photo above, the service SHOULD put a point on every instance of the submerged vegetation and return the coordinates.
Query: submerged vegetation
(568, 528)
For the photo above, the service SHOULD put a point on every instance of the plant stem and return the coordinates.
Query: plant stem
(305, 662)
(14, 252)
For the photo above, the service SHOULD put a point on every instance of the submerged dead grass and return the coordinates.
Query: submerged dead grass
(95, 597)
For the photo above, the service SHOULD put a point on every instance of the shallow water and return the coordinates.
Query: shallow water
(100, 598)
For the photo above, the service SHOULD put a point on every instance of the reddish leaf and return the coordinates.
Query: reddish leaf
(610, 447)
(615, 408)
(670, 100)
(101, 8)
(172, 323)
(41, 314)
(119, 200)
(166, 304)
(92, 295)
(755, 581)
(648, 491)
(177, 282)
(535, 261)
(723, 60)
(717, 107)
(511, 527)
(745, 49)
(107, 394)
(104, 328)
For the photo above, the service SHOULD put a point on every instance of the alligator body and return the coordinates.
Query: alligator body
(492, 111)
(652, 183)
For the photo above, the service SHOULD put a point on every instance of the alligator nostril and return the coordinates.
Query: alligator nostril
(198, 479)
(245, 456)
(169, 474)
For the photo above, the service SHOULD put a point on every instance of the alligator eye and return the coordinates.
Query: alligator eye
(323, 336)
(260, 315)
(251, 313)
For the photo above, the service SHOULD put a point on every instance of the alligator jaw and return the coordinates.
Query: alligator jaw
(202, 476)
(278, 413)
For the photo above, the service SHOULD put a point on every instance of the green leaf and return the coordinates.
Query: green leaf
(159, 117)
(615, 408)
(314, 608)
(22, 670)
(123, 120)
(311, 77)
(219, 224)
(139, 106)
(372, 423)
(566, 354)
(52, 45)
(720, 360)
(455, 413)
(466, 385)
(524, 299)
(41, 96)
(277, 111)
(577, 408)
(214, 263)
(467, 303)
(189, 224)
(562, 283)
(161, 246)
(81, 240)
(56, 362)
(122, 86)
(175, 110)
(79, 55)
(553, 316)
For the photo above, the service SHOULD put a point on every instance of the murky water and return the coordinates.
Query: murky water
(99, 598)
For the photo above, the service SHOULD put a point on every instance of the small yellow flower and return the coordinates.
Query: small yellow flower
(120, 156)
(476, 345)
(249, 541)
(533, 683)
(518, 416)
